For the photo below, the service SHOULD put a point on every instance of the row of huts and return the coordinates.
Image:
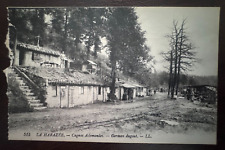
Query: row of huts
(70, 87)
(67, 94)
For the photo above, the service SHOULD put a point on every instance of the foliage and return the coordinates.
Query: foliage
(126, 43)
(63, 29)
(94, 28)
(126, 34)
(160, 79)
(29, 24)
(79, 32)
(201, 80)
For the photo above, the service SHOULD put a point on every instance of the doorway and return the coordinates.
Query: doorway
(21, 57)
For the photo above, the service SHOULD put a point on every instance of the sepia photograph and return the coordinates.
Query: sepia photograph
(113, 74)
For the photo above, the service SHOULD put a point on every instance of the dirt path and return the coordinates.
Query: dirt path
(83, 114)
(156, 115)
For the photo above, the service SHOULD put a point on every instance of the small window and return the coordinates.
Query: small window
(81, 90)
(99, 90)
(54, 88)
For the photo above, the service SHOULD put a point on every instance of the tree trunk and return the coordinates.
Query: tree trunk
(88, 48)
(178, 76)
(96, 46)
(77, 50)
(176, 58)
(179, 60)
(112, 87)
(64, 48)
(178, 72)
(171, 72)
(175, 72)
(14, 48)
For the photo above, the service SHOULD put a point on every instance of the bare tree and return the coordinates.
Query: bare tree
(181, 55)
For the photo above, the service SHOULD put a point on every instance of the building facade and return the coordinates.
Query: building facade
(31, 55)
(62, 95)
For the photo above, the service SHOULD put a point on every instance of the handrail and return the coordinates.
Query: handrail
(37, 90)
(25, 76)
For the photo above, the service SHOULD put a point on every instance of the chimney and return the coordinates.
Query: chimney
(38, 42)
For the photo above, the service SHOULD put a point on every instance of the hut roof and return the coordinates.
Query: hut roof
(209, 87)
(91, 62)
(38, 49)
(128, 84)
(62, 76)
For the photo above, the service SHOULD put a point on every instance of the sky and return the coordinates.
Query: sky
(202, 28)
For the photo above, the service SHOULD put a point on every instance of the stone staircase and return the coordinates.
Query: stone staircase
(33, 100)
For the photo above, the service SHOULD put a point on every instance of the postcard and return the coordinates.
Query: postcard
(113, 74)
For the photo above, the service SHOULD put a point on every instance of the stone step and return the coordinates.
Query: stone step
(39, 108)
(36, 104)
(26, 90)
(18, 78)
(32, 97)
(24, 87)
(34, 101)
(22, 84)
(29, 94)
